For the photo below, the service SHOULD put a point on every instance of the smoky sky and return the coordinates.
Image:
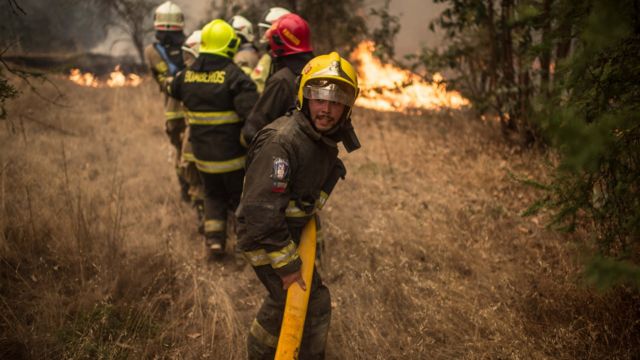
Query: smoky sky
(415, 16)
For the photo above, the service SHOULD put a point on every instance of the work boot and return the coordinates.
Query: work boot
(184, 190)
(198, 204)
(215, 247)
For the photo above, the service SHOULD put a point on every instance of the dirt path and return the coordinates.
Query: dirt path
(426, 253)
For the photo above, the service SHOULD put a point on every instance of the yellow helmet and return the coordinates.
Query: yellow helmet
(168, 16)
(328, 77)
(219, 38)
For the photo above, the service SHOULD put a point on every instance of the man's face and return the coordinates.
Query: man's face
(325, 114)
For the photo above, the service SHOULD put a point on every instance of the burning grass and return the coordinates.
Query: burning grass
(427, 255)
(386, 87)
(116, 79)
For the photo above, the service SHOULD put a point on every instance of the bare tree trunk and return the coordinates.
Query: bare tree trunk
(138, 43)
(545, 57)
(508, 71)
(493, 46)
(564, 36)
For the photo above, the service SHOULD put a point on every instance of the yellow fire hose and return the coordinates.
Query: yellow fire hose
(295, 309)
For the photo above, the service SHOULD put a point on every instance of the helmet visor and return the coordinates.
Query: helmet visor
(323, 89)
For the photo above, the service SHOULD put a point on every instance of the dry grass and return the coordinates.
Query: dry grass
(427, 256)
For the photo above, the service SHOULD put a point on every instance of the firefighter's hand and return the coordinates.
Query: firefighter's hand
(289, 279)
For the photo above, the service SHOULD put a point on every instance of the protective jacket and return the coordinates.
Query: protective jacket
(218, 97)
(261, 72)
(288, 168)
(165, 61)
(279, 94)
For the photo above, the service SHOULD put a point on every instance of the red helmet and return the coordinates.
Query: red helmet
(288, 35)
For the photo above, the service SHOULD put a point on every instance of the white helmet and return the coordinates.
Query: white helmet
(269, 18)
(243, 27)
(168, 16)
(192, 44)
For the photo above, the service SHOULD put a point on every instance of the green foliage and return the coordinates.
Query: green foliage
(592, 119)
(602, 272)
(7, 91)
(105, 331)
(384, 36)
(335, 24)
(566, 72)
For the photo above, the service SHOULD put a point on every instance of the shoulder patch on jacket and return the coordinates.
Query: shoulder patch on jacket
(279, 174)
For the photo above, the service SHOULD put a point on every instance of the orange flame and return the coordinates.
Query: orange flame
(116, 79)
(388, 88)
(86, 79)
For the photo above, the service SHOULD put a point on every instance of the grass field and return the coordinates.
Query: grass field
(427, 256)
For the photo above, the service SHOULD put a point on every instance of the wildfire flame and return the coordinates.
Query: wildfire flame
(388, 88)
(116, 79)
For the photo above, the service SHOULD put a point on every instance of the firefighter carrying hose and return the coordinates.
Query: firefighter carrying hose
(164, 59)
(262, 71)
(290, 165)
(247, 56)
(218, 97)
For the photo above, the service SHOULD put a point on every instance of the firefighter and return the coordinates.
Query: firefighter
(218, 97)
(289, 164)
(187, 165)
(247, 56)
(262, 71)
(290, 46)
(164, 59)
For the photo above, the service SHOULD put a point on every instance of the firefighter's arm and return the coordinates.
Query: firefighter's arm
(265, 199)
(159, 68)
(172, 86)
(244, 93)
(269, 107)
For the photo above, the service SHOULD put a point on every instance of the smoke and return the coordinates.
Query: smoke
(414, 16)
(80, 25)
(52, 26)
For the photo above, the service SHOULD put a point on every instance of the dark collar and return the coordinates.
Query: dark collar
(295, 62)
(205, 62)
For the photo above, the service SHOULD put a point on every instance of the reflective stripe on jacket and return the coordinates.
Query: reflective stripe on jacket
(275, 206)
(217, 97)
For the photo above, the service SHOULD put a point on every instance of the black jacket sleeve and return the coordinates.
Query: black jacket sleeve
(174, 87)
(273, 103)
(244, 93)
(264, 202)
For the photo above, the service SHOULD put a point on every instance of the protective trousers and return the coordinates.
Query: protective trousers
(265, 329)
(189, 171)
(221, 195)
(175, 131)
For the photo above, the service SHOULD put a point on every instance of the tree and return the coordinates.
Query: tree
(336, 25)
(134, 18)
(384, 36)
(564, 73)
(592, 118)
(55, 26)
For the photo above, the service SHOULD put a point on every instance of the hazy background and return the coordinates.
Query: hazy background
(83, 27)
